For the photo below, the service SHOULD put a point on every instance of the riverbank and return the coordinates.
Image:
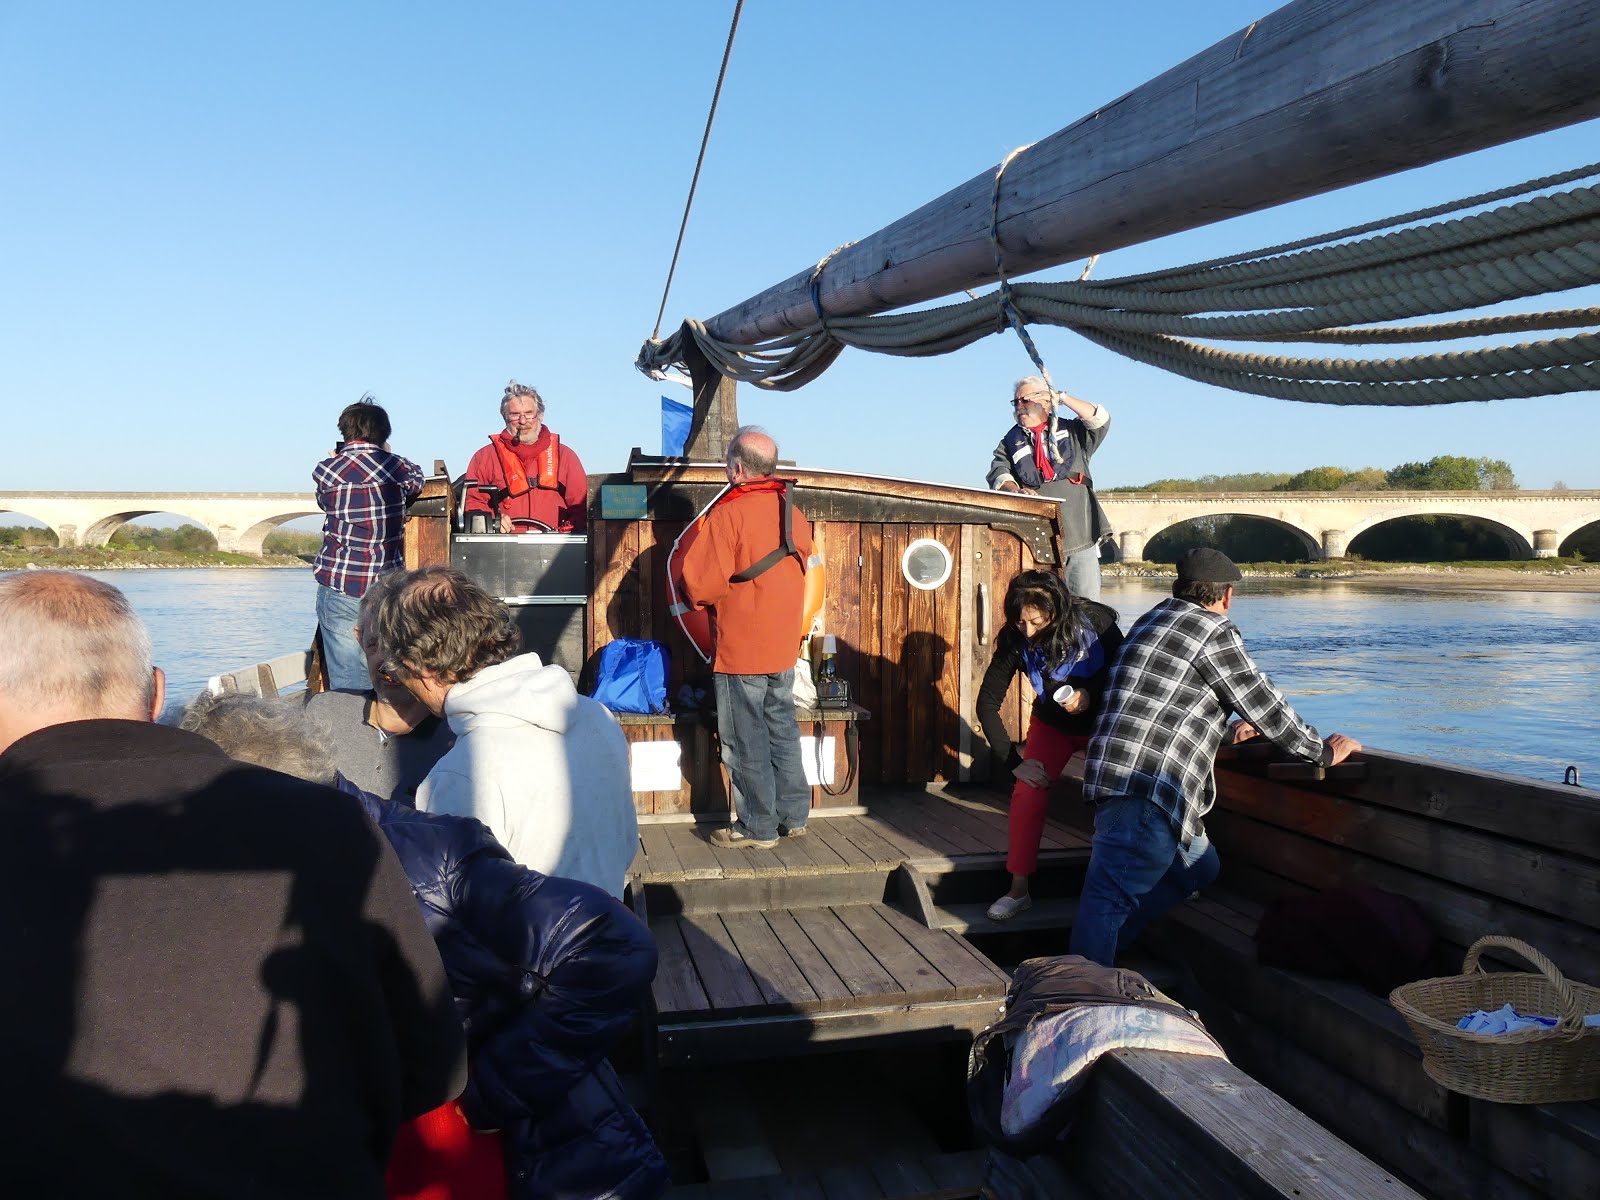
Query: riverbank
(128, 558)
(1527, 575)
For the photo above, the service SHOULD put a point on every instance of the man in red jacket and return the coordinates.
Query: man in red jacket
(526, 478)
(747, 564)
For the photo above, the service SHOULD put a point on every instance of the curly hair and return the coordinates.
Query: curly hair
(1068, 615)
(264, 732)
(438, 621)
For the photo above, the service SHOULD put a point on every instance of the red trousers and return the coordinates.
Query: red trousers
(1048, 745)
(437, 1156)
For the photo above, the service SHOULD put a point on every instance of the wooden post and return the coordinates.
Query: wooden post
(1315, 96)
(716, 409)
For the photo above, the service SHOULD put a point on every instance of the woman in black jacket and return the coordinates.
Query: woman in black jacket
(1064, 645)
(547, 973)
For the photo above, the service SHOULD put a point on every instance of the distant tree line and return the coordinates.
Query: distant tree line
(1444, 473)
(1409, 539)
(182, 539)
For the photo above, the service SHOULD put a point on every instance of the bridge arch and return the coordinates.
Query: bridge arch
(1519, 541)
(1308, 539)
(100, 532)
(48, 524)
(253, 538)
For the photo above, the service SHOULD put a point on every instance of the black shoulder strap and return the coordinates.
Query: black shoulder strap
(785, 548)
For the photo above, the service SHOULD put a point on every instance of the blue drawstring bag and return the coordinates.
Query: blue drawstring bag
(631, 676)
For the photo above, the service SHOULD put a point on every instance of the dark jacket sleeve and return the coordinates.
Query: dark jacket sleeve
(428, 1035)
(1105, 623)
(586, 963)
(1003, 668)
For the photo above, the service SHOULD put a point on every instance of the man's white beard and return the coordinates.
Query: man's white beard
(527, 438)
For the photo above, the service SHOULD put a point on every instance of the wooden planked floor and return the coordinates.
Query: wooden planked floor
(732, 986)
(928, 827)
(811, 960)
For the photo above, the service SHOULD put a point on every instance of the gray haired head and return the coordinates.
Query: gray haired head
(265, 732)
(73, 647)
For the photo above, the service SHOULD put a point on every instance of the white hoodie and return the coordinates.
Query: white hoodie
(543, 767)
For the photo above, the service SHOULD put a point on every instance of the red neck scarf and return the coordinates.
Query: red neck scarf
(1041, 455)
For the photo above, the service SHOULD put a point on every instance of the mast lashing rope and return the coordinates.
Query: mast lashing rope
(1322, 289)
(694, 180)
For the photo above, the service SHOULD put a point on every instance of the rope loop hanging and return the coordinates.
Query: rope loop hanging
(816, 283)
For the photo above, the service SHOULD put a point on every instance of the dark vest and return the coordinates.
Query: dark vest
(1018, 443)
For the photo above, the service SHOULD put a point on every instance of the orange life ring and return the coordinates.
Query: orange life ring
(696, 622)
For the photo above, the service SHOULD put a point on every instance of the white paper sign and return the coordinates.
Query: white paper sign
(817, 774)
(655, 766)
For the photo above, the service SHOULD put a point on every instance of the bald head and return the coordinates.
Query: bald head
(71, 649)
(753, 450)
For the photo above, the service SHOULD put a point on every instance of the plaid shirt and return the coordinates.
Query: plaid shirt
(1182, 670)
(364, 490)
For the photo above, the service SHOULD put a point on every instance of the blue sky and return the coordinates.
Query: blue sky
(220, 223)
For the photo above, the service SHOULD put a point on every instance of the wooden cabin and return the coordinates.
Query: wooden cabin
(916, 573)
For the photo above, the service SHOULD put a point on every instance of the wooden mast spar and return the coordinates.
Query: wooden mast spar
(1315, 96)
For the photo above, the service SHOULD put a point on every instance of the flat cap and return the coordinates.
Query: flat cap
(1204, 565)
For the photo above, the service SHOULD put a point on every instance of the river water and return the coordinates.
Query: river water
(1501, 680)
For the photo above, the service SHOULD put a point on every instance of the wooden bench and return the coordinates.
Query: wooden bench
(746, 985)
(1151, 1126)
(1479, 854)
(677, 764)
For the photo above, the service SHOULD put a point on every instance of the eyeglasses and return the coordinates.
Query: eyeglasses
(1016, 401)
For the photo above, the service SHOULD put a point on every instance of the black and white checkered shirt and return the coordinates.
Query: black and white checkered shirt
(1182, 671)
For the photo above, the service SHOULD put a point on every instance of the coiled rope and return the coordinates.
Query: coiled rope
(1342, 287)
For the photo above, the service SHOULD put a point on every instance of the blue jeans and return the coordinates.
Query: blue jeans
(1137, 871)
(341, 653)
(1083, 573)
(761, 749)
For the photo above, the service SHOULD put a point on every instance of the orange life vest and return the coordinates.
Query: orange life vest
(548, 461)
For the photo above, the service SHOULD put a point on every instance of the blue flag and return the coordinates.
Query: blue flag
(675, 416)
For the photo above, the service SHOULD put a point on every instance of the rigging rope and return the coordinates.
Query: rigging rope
(694, 181)
(1334, 288)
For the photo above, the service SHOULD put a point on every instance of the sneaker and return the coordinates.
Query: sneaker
(728, 836)
(1007, 907)
(798, 831)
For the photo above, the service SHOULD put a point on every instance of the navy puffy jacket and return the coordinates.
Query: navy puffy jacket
(546, 974)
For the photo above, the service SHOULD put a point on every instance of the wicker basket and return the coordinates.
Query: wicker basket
(1530, 1066)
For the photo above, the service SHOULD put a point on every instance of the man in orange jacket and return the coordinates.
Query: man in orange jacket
(747, 564)
(527, 479)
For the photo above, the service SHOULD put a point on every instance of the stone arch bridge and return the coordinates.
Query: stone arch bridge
(239, 520)
(1533, 524)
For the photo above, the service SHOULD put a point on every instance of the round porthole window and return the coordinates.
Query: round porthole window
(926, 564)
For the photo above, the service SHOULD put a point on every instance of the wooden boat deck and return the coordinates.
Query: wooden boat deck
(747, 984)
(930, 828)
(828, 938)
